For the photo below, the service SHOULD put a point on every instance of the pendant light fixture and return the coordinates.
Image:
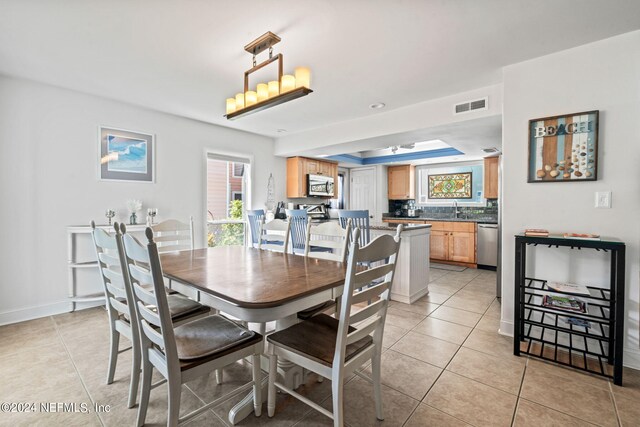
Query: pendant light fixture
(266, 95)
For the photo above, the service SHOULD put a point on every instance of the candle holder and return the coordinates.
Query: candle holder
(151, 214)
(110, 213)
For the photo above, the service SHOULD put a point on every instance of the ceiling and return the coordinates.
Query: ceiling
(185, 58)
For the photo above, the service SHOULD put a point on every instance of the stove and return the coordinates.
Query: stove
(316, 211)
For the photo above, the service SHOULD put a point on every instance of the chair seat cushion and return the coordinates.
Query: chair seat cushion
(316, 309)
(211, 337)
(180, 306)
(316, 339)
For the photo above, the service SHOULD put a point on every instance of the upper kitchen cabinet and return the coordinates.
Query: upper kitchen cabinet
(491, 177)
(401, 182)
(299, 167)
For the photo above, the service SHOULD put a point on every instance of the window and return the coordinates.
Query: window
(460, 170)
(238, 170)
(227, 186)
(338, 202)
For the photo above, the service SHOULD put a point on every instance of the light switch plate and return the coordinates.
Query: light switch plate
(603, 199)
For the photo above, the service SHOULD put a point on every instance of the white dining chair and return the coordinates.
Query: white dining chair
(118, 294)
(329, 236)
(186, 352)
(325, 241)
(334, 348)
(173, 235)
(274, 235)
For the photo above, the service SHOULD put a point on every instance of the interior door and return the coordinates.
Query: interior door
(362, 194)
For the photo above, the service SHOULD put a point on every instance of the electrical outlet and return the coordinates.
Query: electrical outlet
(603, 199)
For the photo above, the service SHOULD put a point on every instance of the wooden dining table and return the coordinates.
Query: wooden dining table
(257, 286)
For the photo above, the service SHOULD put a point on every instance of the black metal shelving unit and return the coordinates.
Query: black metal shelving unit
(544, 332)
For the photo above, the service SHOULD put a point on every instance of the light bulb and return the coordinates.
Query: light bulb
(250, 98)
(274, 88)
(239, 101)
(288, 83)
(263, 91)
(231, 105)
(303, 77)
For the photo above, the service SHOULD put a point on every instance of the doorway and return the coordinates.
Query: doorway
(362, 191)
(227, 199)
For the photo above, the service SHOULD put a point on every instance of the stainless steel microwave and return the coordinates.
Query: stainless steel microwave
(320, 185)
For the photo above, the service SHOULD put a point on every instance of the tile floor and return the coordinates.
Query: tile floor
(444, 364)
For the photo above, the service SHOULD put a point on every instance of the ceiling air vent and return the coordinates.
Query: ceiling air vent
(469, 106)
(491, 150)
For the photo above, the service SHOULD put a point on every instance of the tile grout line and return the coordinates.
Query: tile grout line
(457, 351)
(515, 410)
(75, 368)
(204, 403)
(615, 404)
(562, 412)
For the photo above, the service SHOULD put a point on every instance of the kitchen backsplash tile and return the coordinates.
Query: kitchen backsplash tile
(444, 212)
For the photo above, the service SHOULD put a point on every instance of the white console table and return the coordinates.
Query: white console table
(411, 279)
(86, 260)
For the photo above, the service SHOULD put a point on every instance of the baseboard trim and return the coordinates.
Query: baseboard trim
(38, 311)
(631, 358)
(506, 328)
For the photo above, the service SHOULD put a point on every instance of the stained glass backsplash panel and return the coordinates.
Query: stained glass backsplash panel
(450, 186)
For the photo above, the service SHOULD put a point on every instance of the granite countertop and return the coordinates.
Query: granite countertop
(425, 218)
(407, 227)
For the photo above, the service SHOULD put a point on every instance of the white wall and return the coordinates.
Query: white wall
(599, 76)
(48, 180)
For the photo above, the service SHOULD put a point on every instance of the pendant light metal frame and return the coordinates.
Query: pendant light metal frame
(262, 43)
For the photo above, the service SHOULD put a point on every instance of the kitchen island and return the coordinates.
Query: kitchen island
(411, 281)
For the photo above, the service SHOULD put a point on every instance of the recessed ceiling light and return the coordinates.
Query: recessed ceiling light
(377, 105)
(281, 130)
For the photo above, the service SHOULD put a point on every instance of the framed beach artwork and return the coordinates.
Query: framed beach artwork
(125, 155)
(450, 186)
(564, 148)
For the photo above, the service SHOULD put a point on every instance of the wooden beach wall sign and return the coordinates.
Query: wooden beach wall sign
(564, 148)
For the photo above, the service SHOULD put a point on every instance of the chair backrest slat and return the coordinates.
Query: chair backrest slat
(359, 219)
(316, 238)
(370, 293)
(148, 314)
(384, 248)
(172, 235)
(364, 329)
(274, 235)
(152, 335)
(177, 237)
(299, 219)
(254, 218)
(117, 291)
(368, 276)
(366, 312)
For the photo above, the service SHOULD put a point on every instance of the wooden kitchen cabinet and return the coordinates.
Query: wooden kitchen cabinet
(439, 245)
(299, 167)
(453, 242)
(401, 182)
(491, 177)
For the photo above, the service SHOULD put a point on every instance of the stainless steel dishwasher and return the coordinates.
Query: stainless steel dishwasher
(488, 245)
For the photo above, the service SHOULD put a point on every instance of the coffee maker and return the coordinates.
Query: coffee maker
(280, 211)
